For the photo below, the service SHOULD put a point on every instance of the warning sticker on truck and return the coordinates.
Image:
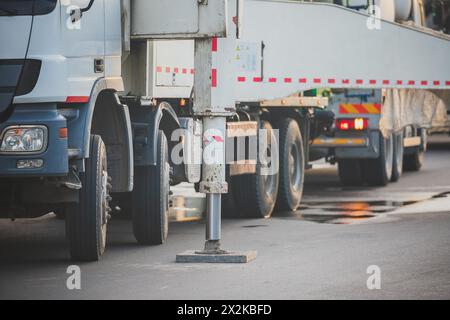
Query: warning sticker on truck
(247, 57)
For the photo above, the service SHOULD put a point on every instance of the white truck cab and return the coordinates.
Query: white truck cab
(73, 52)
(58, 60)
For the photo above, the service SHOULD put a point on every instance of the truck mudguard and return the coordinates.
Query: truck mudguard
(146, 122)
(106, 116)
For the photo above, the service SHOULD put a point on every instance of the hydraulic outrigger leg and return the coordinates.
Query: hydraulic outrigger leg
(213, 170)
(213, 224)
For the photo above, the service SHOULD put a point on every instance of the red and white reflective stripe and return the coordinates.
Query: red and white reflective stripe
(77, 99)
(292, 80)
(214, 48)
(168, 69)
(359, 82)
(214, 45)
(214, 78)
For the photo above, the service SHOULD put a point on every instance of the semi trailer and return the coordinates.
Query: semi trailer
(107, 100)
(364, 152)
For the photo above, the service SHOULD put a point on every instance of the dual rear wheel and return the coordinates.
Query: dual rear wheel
(376, 172)
(254, 195)
(277, 184)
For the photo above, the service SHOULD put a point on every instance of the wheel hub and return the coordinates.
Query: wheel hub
(295, 170)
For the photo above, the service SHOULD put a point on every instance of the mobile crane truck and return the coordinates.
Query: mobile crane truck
(92, 92)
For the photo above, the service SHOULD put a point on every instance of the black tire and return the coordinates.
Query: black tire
(414, 161)
(229, 208)
(255, 194)
(86, 221)
(60, 213)
(150, 199)
(350, 172)
(397, 160)
(292, 165)
(378, 172)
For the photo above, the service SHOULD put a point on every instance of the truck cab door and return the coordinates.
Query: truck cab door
(83, 38)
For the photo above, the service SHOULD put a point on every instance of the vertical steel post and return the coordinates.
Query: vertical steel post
(214, 105)
(214, 135)
(213, 224)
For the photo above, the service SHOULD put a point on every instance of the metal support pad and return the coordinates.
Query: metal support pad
(229, 257)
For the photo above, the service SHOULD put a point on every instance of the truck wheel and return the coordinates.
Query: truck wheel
(350, 172)
(229, 208)
(255, 194)
(292, 166)
(378, 172)
(150, 198)
(60, 213)
(414, 161)
(86, 221)
(397, 164)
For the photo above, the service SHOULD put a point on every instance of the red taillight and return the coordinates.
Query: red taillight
(77, 99)
(352, 124)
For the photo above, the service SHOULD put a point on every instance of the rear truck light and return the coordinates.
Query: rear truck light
(23, 139)
(357, 124)
(77, 99)
(30, 164)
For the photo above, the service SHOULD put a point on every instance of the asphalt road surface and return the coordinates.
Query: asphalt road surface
(400, 234)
